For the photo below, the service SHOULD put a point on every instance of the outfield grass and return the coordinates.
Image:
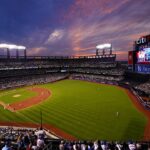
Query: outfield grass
(8, 96)
(86, 111)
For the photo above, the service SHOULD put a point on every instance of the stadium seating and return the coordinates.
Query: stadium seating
(37, 139)
(30, 80)
(24, 138)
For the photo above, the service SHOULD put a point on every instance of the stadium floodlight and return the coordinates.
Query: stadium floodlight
(102, 46)
(3, 45)
(21, 47)
(10, 46)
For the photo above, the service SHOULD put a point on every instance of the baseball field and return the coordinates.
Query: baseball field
(81, 109)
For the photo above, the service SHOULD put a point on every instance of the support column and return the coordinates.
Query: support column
(17, 54)
(103, 51)
(111, 50)
(25, 54)
(8, 53)
(96, 52)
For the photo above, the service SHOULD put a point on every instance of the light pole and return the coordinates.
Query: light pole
(41, 126)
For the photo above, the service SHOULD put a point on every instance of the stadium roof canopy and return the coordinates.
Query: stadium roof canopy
(11, 46)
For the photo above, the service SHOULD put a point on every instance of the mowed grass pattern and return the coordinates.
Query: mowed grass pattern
(87, 111)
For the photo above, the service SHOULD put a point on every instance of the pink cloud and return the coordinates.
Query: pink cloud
(36, 50)
(87, 8)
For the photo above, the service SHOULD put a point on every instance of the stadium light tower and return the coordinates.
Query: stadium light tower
(13, 47)
(104, 47)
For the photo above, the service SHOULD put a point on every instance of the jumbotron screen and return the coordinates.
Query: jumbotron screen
(143, 56)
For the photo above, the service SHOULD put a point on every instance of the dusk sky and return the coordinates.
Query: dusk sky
(73, 27)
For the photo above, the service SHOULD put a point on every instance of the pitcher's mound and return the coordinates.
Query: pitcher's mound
(17, 95)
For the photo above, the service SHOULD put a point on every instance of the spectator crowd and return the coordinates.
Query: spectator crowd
(61, 62)
(13, 138)
(145, 87)
(104, 145)
(23, 138)
(30, 80)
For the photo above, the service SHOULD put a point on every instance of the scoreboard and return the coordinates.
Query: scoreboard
(139, 58)
(142, 47)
